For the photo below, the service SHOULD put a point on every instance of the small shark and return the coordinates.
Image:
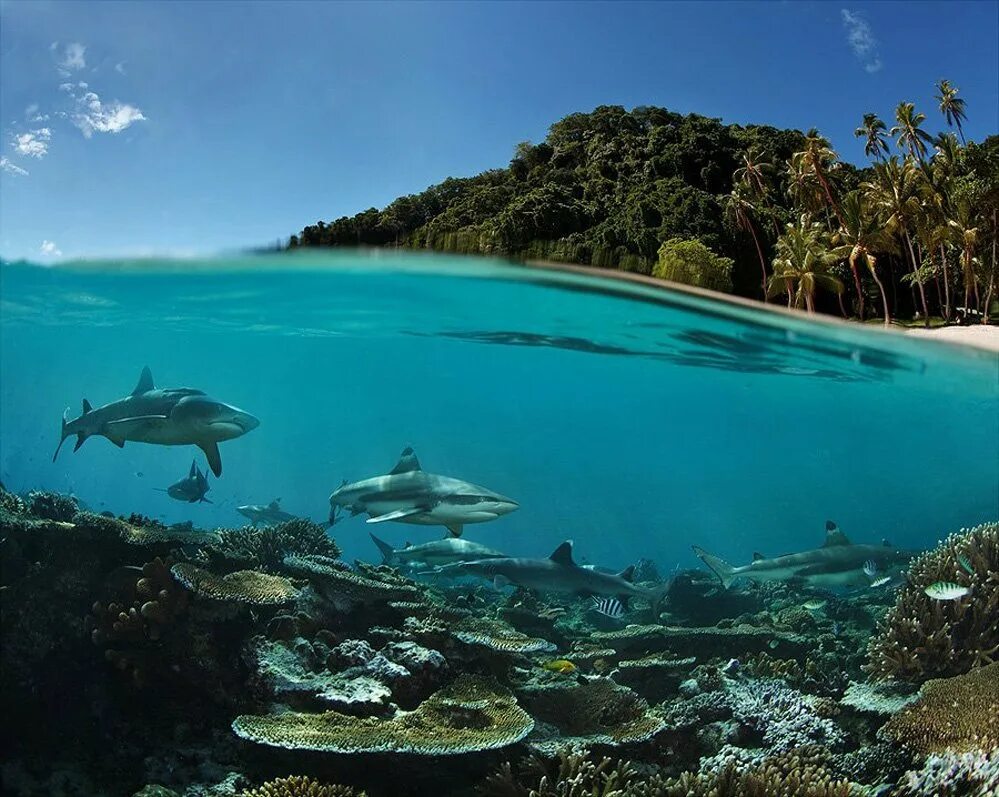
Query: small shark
(433, 554)
(192, 488)
(167, 417)
(269, 514)
(408, 494)
(559, 573)
(838, 563)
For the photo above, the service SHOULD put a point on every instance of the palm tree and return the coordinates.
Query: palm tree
(818, 158)
(755, 173)
(965, 237)
(739, 208)
(861, 234)
(803, 260)
(951, 106)
(907, 132)
(873, 129)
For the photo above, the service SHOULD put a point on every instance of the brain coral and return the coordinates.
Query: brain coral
(244, 586)
(923, 638)
(300, 786)
(472, 714)
(959, 714)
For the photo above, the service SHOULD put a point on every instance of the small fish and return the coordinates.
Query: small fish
(773, 644)
(610, 607)
(870, 568)
(814, 604)
(561, 666)
(836, 629)
(963, 561)
(880, 582)
(946, 591)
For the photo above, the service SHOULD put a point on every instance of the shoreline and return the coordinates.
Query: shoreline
(981, 336)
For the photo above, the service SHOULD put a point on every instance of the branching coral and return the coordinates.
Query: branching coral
(300, 786)
(923, 638)
(265, 548)
(959, 714)
(52, 506)
(473, 714)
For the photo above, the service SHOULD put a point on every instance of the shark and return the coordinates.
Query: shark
(165, 416)
(269, 514)
(433, 554)
(839, 563)
(408, 494)
(192, 488)
(559, 573)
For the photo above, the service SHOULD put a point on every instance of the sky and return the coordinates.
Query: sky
(138, 129)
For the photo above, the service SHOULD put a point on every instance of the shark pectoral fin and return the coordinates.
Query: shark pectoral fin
(81, 438)
(213, 456)
(206, 500)
(398, 514)
(455, 529)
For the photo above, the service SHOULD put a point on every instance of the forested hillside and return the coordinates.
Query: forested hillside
(912, 234)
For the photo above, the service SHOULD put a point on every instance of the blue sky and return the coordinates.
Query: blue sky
(142, 128)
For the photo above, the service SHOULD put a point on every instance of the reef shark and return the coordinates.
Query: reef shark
(192, 488)
(433, 554)
(838, 563)
(167, 417)
(558, 573)
(408, 494)
(269, 514)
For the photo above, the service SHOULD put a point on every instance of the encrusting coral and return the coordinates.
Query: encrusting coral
(471, 715)
(923, 638)
(243, 586)
(960, 714)
(300, 786)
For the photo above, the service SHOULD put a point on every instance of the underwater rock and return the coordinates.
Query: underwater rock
(243, 586)
(471, 715)
(921, 638)
(960, 714)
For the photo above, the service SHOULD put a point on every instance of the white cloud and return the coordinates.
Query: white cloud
(11, 168)
(34, 144)
(120, 67)
(73, 57)
(32, 114)
(861, 39)
(93, 116)
(49, 249)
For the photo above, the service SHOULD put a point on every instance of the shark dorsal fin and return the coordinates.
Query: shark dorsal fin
(563, 554)
(834, 536)
(145, 382)
(407, 463)
(275, 504)
(628, 573)
(194, 471)
(86, 407)
(757, 556)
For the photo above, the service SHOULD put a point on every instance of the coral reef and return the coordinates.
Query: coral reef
(243, 586)
(923, 638)
(52, 506)
(339, 584)
(880, 698)
(960, 714)
(266, 547)
(300, 786)
(953, 775)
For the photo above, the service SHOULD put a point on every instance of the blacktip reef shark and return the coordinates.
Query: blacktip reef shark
(559, 573)
(268, 514)
(408, 494)
(166, 416)
(192, 488)
(433, 554)
(838, 563)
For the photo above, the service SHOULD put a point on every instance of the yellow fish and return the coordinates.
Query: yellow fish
(562, 666)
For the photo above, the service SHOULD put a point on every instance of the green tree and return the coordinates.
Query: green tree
(951, 106)
(907, 131)
(804, 257)
(859, 237)
(692, 263)
(873, 132)
(740, 210)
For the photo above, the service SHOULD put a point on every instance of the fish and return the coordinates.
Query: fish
(559, 573)
(165, 416)
(963, 561)
(611, 607)
(838, 563)
(433, 554)
(408, 494)
(880, 582)
(268, 514)
(561, 666)
(192, 488)
(870, 568)
(814, 604)
(946, 591)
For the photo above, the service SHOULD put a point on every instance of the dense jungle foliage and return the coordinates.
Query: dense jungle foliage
(912, 235)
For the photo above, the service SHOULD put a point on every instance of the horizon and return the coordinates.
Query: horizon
(112, 146)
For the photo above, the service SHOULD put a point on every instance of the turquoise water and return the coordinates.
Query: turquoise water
(633, 420)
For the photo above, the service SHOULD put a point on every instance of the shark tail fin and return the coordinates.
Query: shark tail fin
(719, 566)
(64, 434)
(384, 547)
(656, 598)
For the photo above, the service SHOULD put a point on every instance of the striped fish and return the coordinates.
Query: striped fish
(610, 607)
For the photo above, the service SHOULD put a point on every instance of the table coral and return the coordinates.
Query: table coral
(334, 580)
(243, 586)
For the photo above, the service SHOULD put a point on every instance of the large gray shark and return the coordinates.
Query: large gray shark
(433, 554)
(558, 573)
(269, 514)
(192, 488)
(408, 494)
(167, 417)
(838, 563)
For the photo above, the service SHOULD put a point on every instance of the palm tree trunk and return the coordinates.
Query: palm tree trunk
(943, 259)
(884, 297)
(759, 251)
(809, 302)
(856, 282)
(919, 282)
